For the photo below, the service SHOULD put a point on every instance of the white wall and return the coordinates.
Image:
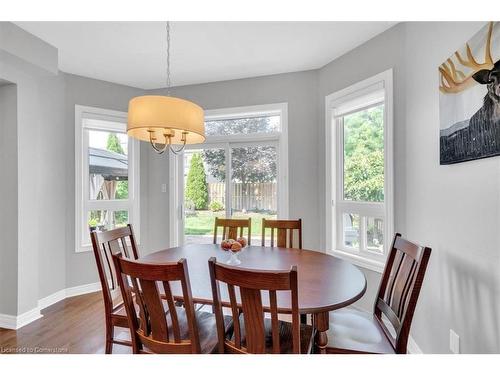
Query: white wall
(30, 63)
(454, 209)
(8, 198)
(50, 177)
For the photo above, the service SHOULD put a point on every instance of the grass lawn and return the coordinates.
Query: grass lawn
(202, 222)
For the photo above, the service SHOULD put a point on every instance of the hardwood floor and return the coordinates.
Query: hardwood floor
(74, 325)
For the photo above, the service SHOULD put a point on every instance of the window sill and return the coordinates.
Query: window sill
(88, 248)
(370, 264)
(83, 249)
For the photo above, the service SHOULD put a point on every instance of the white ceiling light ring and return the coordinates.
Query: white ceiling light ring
(159, 132)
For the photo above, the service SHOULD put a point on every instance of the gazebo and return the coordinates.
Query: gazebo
(106, 168)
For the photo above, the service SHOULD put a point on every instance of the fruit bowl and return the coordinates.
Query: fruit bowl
(234, 246)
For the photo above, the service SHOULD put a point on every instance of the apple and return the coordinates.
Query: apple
(226, 244)
(242, 241)
(235, 247)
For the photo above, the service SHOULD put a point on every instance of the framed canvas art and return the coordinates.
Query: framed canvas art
(469, 99)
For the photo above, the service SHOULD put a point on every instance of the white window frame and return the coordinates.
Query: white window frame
(334, 169)
(278, 139)
(82, 202)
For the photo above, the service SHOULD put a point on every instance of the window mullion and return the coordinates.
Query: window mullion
(229, 172)
(114, 205)
(362, 234)
(367, 209)
(85, 165)
(340, 158)
(339, 222)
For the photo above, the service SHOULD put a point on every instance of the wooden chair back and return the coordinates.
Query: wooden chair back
(231, 227)
(251, 284)
(281, 227)
(399, 289)
(151, 325)
(104, 245)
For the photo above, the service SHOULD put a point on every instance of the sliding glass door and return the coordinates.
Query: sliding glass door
(239, 172)
(250, 192)
(204, 187)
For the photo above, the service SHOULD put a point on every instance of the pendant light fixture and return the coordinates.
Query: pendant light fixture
(165, 121)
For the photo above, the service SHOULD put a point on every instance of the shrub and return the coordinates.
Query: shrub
(93, 223)
(196, 184)
(215, 206)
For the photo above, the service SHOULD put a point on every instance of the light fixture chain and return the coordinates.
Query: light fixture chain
(168, 59)
(164, 109)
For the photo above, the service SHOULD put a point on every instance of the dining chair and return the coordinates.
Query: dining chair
(252, 332)
(281, 227)
(104, 244)
(157, 324)
(231, 227)
(387, 329)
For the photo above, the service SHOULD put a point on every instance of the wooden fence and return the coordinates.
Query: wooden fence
(249, 196)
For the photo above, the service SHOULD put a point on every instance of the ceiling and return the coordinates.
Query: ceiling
(134, 53)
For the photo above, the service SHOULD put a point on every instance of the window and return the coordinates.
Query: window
(359, 171)
(107, 173)
(240, 172)
(243, 125)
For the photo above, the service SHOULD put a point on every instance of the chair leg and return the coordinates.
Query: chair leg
(303, 318)
(136, 347)
(109, 337)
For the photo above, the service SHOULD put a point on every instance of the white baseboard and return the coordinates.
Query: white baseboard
(51, 299)
(28, 317)
(8, 321)
(83, 289)
(16, 322)
(68, 292)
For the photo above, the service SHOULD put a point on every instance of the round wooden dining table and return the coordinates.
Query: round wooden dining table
(325, 283)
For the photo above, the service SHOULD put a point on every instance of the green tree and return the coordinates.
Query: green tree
(121, 190)
(114, 144)
(249, 164)
(364, 155)
(196, 185)
(364, 176)
(246, 125)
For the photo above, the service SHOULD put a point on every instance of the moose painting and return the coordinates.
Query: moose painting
(469, 100)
